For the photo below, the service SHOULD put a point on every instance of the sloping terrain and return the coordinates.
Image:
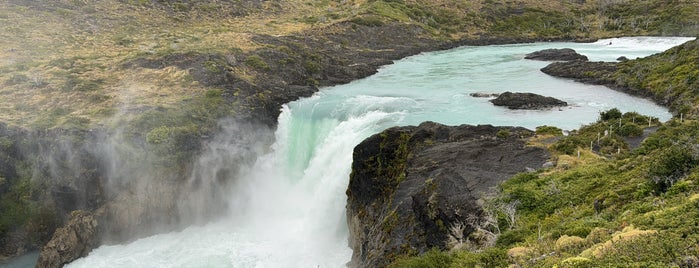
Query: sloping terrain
(148, 80)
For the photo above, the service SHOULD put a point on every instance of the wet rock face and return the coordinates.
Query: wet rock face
(72, 241)
(554, 54)
(527, 101)
(410, 186)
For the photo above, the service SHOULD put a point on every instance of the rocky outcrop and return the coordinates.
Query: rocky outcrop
(583, 71)
(417, 188)
(555, 54)
(527, 101)
(72, 241)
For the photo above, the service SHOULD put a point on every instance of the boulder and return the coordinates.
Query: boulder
(417, 188)
(76, 239)
(554, 54)
(527, 101)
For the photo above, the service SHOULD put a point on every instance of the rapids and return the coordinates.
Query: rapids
(288, 210)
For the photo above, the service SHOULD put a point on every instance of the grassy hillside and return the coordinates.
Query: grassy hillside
(671, 77)
(63, 63)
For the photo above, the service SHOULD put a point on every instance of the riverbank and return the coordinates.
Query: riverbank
(151, 80)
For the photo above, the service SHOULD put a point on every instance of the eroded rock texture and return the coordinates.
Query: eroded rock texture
(411, 185)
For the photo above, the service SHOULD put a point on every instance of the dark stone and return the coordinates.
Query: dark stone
(410, 185)
(554, 54)
(527, 101)
(622, 59)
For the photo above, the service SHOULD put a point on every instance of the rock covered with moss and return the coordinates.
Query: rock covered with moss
(417, 188)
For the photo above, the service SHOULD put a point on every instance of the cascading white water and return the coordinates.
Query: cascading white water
(287, 210)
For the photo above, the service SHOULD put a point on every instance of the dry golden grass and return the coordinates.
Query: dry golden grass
(98, 36)
(107, 33)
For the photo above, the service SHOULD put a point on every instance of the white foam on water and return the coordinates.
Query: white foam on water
(288, 210)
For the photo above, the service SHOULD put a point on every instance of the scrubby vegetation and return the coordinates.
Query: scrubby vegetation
(671, 77)
(605, 208)
(163, 72)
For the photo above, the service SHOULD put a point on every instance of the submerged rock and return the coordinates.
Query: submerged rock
(554, 54)
(417, 188)
(484, 95)
(527, 101)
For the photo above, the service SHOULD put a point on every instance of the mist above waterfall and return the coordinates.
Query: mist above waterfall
(216, 172)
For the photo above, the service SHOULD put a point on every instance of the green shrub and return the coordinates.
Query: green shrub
(255, 61)
(549, 130)
(569, 145)
(630, 130)
(503, 133)
(576, 262)
(522, 178)
(610, 114)
(671, 165)
(581, 231)
(646, 250)
(214, 93)
(512, 237)
(14, 205)
(431, 259)
(371, 21)
(312, 66)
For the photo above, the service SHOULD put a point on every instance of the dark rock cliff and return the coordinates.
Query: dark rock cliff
(415, 188)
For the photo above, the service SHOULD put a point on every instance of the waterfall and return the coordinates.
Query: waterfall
(287, 208)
